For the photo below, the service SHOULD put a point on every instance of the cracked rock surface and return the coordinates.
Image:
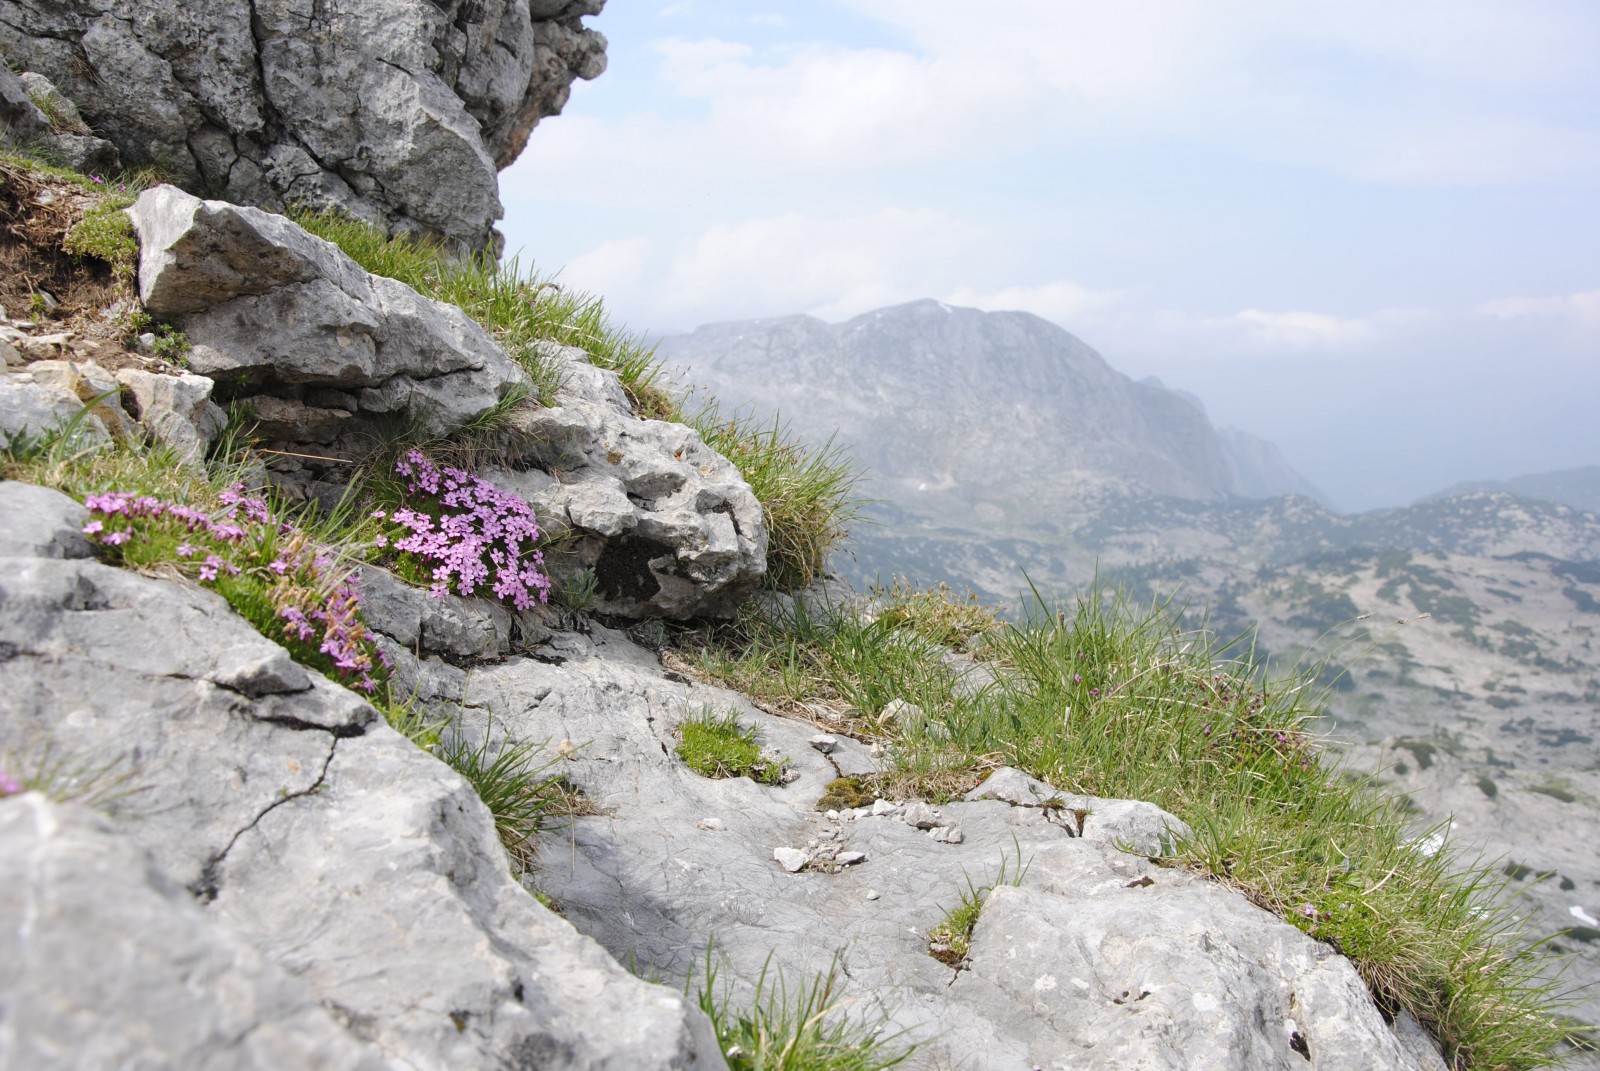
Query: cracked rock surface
(396, 111)
(1086, 955)
(342, 896)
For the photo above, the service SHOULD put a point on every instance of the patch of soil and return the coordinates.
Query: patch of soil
(36, 212)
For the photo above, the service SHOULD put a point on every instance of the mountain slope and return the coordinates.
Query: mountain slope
(996, 417)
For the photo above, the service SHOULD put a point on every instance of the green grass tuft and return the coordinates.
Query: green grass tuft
(514, 782)
(717, 745)
(806, 492)
(804, 1029)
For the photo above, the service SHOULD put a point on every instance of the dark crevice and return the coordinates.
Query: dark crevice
(209, 883)
(338, 732)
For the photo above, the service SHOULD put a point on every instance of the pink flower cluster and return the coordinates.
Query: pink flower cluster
(317, 606)
(470, 533)
(9, 786)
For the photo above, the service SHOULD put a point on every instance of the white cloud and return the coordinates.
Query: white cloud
(1061, 300)
(610, 267)
(1298, 330)
(1584, 307)
(831, 266)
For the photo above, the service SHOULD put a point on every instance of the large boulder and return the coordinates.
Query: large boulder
(285, 881)
(398, 111)
(284, 318)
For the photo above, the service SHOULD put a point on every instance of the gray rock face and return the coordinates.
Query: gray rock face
(346, 892)
(667, 524)
(1085, 956)
(326, 353)
(110, 964)
(398, 111)
(285, 318)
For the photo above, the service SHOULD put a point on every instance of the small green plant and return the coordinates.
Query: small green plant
(805, 1029)
(171, 345)
(106, 233)
(576, 589)
(67, 779)
(515, 784)
(951, 940)
(717, 745)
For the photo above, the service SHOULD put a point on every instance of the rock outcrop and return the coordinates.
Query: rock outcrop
(287, 881)
(397, 111)
(330, 359)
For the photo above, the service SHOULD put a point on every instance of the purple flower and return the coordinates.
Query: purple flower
(92, 527)
(279, 566)
(116, 538)
(9, 786)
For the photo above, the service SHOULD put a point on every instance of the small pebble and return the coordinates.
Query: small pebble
(883, 807)
(791, 859)
(832, 816)
(851, 858)
(872, 894)
(825, 743)
(716, 825)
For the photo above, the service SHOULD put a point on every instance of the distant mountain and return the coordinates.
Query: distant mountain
(989, 418)
(1259, 470)
(1579, 488)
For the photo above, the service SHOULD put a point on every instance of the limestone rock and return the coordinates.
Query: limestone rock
(301, 827)
(31, 407)
(397, 111)
(175, 410)
(667, 524)
(275, 313)
(111, 964)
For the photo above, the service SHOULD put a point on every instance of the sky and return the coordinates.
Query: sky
(1366, 230)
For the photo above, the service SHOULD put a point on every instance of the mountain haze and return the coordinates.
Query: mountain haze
(958, 414)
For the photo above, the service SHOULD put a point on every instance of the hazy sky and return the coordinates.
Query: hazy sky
(1368, 230)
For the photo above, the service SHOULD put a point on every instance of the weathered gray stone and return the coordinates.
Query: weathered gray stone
(398, 111)
(38, 524)
(1134, 824)
(667, 524)
(91, 385)
(33, 408)
(111, 964)
(307, 830)
(175, 410)
(275, 313)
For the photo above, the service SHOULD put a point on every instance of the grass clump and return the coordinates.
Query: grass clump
(951, 940)
(717, 745)
(804, 1029)
(67, 779)
(937, 614)
(805, 492)
(513, 780)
